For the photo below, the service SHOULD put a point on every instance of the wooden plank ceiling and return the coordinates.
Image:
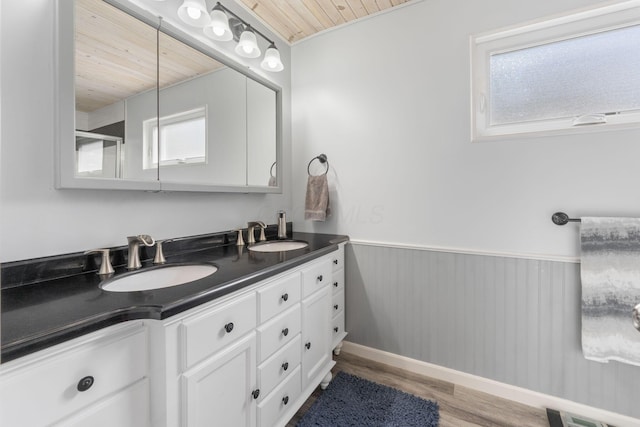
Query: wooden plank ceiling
(116, 56)
(296, 19)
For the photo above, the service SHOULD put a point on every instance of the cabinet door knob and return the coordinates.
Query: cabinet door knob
(285, 365)
(285, 331)
(228, 327)
(308, 345)
(255, 393)
(285, 400)
(335, 284)
(335, 306)
(285, 297)
(320, 278)
(335, 329)
(85, 383)
(335, 261)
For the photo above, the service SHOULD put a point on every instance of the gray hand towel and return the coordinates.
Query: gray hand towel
(610, 275)
(316, 204)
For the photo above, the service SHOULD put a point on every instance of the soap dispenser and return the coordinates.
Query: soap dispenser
(282, 225)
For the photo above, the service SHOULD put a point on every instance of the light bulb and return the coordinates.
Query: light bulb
(218, 27)
(193, 12)
(248, 45)
(271, 61)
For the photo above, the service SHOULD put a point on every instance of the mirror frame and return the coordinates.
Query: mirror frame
(64, 66)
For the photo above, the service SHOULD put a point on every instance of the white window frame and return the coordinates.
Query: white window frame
(151, 124)
(558, 28)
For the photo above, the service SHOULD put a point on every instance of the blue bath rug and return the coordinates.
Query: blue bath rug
(353, 401)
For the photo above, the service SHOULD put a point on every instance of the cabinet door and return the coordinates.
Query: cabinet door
(220, 391)
(316, 327)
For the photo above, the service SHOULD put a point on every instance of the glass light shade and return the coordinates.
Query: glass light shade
(248, 44)
(271, 61)
(218, 28)
(194, 12)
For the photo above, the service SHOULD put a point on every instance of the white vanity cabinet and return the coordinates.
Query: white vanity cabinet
(100, 379)
(338, 332)
(250, 358)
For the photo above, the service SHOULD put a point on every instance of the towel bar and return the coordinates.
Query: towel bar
(561, 218)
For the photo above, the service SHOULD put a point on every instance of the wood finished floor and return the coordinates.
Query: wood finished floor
(459, 406)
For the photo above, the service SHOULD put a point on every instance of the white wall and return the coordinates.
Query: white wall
(38, 220)
(387, 99)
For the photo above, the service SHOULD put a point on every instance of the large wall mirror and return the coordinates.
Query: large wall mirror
(153, 112)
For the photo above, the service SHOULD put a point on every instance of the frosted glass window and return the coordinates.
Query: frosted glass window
(572, 73)
(597, 73)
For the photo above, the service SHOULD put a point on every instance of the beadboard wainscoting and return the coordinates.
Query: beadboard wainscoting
(512, 320)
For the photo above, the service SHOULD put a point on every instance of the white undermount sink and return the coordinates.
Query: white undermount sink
(278, 246)
(157, 278)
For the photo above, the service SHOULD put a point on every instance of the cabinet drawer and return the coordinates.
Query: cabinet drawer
(337, 281)
(206, 333)
(279, 366)
(46, 388)
(278, 331)
(316, 276)
(279, 296)
(127, 408)
(271, 409)
(337, 258)
(337, 303)
(337, 326)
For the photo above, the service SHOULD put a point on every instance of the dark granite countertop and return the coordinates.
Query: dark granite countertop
(48, 312)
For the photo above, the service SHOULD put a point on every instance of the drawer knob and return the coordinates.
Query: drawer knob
(308, 345)
(285, 297)
(285, 365)
(335, 284)
(228, 327)
(285, 400)
(255, 393)
(85, 383)
(320, 278)
(285, 331)
(335, 329)
(335, 306)
(335, 261)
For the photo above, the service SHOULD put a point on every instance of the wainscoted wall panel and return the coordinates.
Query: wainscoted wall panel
(512, 320)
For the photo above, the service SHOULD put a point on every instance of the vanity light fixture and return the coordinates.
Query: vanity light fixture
(222, 28)
(194, 13)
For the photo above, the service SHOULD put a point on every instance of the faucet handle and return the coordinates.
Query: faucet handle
(262, 237)
(239, 240)
(159, 257)
(105, 265)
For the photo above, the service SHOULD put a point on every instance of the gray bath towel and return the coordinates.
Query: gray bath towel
(316, 203)
(610, 272)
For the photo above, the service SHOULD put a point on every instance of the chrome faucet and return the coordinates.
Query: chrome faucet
(251, 225)
(133, 263)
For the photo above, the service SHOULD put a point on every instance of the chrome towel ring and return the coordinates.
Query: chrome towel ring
(322, 158)
(271, 170)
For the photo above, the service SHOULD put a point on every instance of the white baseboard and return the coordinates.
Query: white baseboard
(495, 388)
